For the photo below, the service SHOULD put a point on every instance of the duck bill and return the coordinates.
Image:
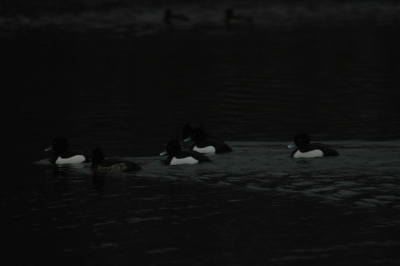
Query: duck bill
(291, 145)
(49, 149)
(188, 139)
(163, 153)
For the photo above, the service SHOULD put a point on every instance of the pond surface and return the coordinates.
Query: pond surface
(129, 89)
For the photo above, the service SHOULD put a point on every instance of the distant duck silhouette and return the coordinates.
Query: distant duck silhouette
(102, 165)
(171, 18)
(231, 18)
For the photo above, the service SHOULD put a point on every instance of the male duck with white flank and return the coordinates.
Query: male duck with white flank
(62, 155)
(305, 149)
(102, 165)
(177, 156)
(204, 144)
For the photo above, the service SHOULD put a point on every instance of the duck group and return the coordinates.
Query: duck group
(192, 147)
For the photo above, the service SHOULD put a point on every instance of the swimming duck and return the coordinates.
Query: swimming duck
(204, 144)
(177, 156)
(307, 150)
(62, 155)
(102, 165)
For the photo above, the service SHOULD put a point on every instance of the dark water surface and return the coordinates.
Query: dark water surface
(129, 87)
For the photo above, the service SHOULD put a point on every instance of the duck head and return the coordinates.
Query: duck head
(300, 140)
(198, 134)
(59, 144)
(97, 155)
